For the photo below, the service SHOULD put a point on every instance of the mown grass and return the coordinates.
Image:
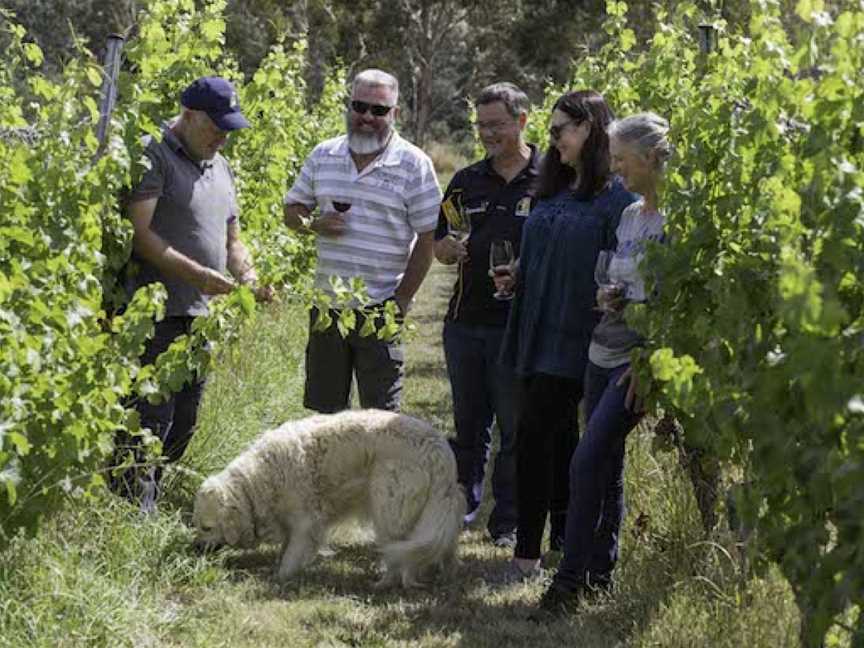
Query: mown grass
(101, 575)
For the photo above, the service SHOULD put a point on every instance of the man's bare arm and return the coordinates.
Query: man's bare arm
(418, 265)
(239, 260)
(240, 265)
(448, 250)
(297, 217)
(153, 248)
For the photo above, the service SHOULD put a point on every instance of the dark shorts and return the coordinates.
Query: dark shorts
(332, 361)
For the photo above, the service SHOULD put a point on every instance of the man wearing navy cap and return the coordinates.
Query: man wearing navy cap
(185, 217)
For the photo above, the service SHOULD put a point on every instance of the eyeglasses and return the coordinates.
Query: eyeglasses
(555, 131)
(492, 127)
(361, 108)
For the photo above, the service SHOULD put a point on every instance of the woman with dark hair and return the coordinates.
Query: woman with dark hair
(639, 148)
(551, 319)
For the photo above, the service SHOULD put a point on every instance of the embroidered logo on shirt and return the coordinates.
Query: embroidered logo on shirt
(479, 209)
(523, 207)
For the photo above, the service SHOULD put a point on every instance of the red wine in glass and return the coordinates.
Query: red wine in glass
(341, 207)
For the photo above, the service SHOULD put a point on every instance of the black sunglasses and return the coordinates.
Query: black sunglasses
(555, 131)
(361, 107)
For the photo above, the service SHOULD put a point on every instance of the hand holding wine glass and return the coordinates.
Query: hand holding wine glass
(459, 230)
(332, 223)
(610, 292)
(501, 261)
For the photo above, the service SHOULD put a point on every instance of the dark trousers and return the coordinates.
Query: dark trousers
(172, 420)
(597, 483)
(482, 392)
(547, 430)
(332, 361)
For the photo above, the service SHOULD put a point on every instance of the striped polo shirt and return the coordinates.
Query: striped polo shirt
(392, 200)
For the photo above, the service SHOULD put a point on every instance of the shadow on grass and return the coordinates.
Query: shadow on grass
(433, 369)
(462, 605)
(444, 606)
(352, 568)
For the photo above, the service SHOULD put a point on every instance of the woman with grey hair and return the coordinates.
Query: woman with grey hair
(639, 149)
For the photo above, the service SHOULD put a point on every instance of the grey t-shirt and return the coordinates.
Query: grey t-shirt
(197, 202)
(612, 339)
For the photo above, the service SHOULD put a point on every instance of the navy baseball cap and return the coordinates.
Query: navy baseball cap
(218, 98)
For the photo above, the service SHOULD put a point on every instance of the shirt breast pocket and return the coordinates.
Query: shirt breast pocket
(475, 209)
(384, 180)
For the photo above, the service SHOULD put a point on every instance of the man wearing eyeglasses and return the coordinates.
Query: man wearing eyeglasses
(371, 198)
(495, 195)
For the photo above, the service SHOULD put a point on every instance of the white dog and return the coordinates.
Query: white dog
(295, 482)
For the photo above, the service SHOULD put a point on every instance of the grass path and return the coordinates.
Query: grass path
(100, 575)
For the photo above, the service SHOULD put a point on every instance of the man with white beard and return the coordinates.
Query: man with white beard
(377, 200)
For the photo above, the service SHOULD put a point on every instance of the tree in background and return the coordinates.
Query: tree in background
(442, 51)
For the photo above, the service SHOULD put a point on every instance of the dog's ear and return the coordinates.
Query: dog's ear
(237, 527)
(207, 511)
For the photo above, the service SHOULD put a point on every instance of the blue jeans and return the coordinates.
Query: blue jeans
(596, 506)
(482, 392)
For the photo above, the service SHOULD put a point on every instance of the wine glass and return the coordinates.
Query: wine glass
(341, 207)
(610, 288)
(460, 229)
(501, 263)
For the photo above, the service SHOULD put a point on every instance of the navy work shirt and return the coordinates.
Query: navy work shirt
(498, 210)
(553, 314)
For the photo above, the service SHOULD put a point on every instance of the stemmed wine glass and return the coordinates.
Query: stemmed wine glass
(460, 229)
(501, 261)
(610, 288)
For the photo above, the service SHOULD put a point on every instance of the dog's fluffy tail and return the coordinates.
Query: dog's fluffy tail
(432, 541)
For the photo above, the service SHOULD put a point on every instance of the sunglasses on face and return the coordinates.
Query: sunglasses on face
(555, 131)
(361, 108)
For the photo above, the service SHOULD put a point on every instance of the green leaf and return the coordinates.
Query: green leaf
(18, 234)
(94, 75)
(19, 172)
(246, 299)
(33, 53)
(368, 327)
(806, 8)
(20, 442)
(10, 478)
(627, 40)
(213, 29)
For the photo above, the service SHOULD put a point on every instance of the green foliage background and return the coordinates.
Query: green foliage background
(757, 334)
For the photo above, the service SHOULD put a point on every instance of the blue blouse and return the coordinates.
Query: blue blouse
(552, 315)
